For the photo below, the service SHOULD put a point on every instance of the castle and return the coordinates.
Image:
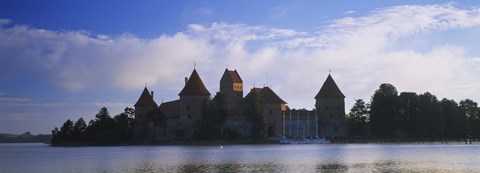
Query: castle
(326, 120)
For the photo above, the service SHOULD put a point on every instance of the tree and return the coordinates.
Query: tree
(66, 131)
(124, 123)
(454, 119)
(408, 113)
(102, 130)
(253, 115)
(429, 121)
(103, 115)
(384, 110)
(470, 111)
(213, 118)
(56, 139)
(79, 129)
(358, 118)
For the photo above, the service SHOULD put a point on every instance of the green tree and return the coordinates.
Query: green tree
(66, 131)
(79, 129)
(253, 115)
(102, 130)
(56, 139)
(384, 110)
(454, 119)
(408, 113)
(213, 118)
(103, 115)
(470, 111)
(124, 123)
(358, 118)
(429, 121)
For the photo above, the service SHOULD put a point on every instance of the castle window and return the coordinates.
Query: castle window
(335, 128)
(270, 112)
(188, 107)
(189, 116)
(331, 116)
(326, 108)
(338, 108)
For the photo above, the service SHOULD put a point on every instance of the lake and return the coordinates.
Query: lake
(242, 158)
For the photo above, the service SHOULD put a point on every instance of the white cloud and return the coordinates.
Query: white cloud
(349, 12)
(361, 51)
(4, 100)
(4, 22)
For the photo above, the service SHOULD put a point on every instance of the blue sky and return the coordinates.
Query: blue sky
(66, 59)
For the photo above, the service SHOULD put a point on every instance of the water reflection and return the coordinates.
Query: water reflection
(332, 168)
(243, 158)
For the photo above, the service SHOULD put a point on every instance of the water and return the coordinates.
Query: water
(242, 158)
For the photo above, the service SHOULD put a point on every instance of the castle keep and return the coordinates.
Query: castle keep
(326, 120)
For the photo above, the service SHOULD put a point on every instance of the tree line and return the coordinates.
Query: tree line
(103, 130)
(412, 115)
(26, 137)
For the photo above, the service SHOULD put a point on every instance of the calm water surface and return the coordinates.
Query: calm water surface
(242, 158)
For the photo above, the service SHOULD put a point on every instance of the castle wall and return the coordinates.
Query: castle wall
(190, 111)
(300, 123)
(331, 114)
(142, 127)
(273, 118)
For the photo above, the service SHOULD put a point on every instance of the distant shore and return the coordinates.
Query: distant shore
(275, 141)
(407, 141)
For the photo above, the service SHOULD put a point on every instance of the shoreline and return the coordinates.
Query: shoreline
(276, 141)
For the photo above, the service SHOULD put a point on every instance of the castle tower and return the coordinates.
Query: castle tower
(231, 86)
(144, 105)
(192, 96)
(330, 107)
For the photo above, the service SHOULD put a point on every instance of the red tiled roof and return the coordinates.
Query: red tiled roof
(194, 86)
(267, 94)
(270, 97)
(231, 76)
(170, 109)
(329, 89)
(146, 100)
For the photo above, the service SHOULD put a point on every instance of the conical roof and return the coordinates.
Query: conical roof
(194, 86)
(329, 89)
(145, 100)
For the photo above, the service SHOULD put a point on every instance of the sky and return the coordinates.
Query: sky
(66, 59)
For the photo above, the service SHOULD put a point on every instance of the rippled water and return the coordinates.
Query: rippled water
(242, 158)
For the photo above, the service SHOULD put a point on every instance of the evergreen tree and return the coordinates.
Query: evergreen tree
(253, 115)
(124, 124)
(79, 129)
(66, 131)
(358, 118)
